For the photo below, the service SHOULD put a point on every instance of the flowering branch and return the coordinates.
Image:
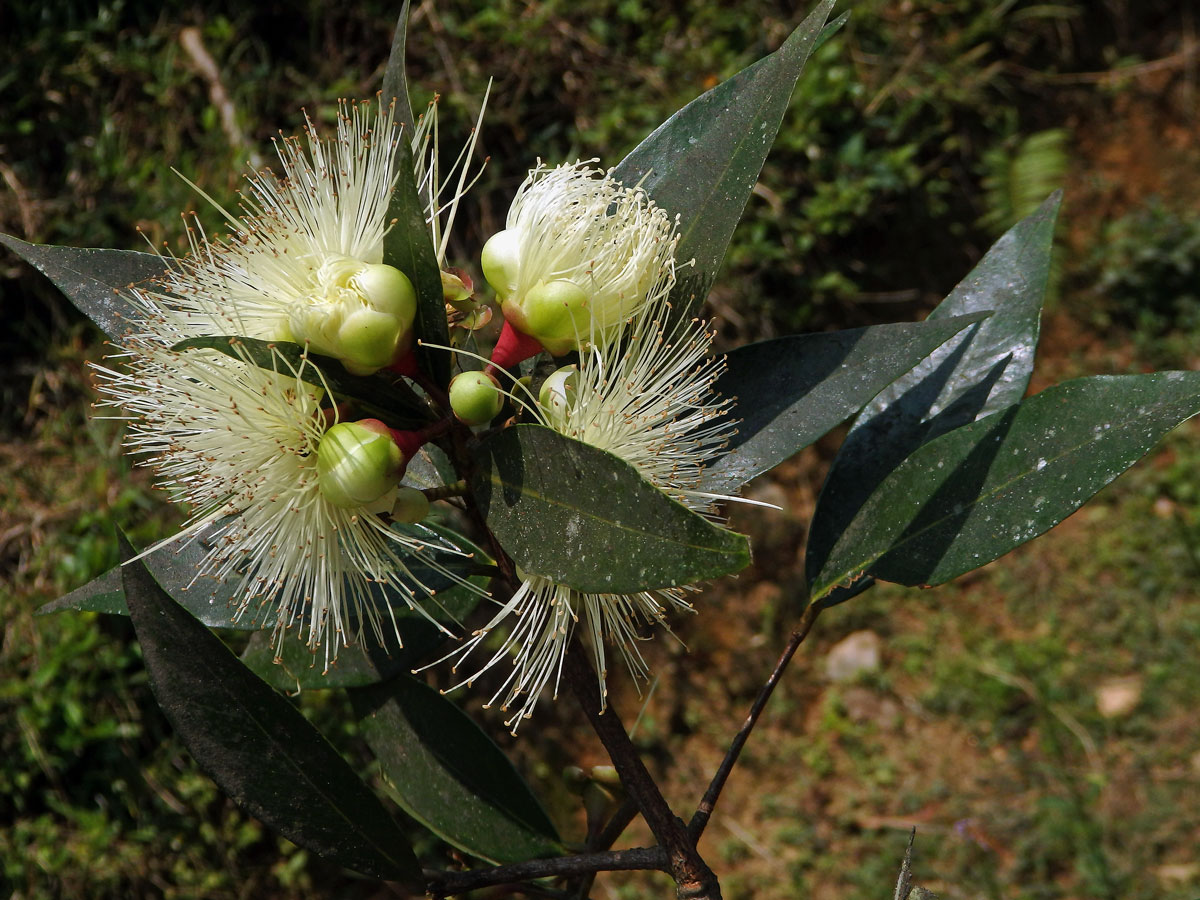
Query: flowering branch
(705, 809)
(693, 877)
(443, 884)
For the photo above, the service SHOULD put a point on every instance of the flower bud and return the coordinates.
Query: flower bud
(501, 262)
(475, 397)
(361, 313)
(554, 312)
(558, 394)
(358, 464)
(411, 505)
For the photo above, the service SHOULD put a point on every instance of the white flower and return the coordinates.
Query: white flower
(305, 260)
(288, 499)
(580, 254)
(647, 399)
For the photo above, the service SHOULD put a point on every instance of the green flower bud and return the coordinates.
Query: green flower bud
(501, 261)
(558, 394)
(368, 341)
(411, 505)
(475, 397)
(357, 465)
(556, 313)
(361, 313)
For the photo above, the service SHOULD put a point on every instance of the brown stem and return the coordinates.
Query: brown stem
(693, 878)
(607, 836)
(442, 884)
(704, 810)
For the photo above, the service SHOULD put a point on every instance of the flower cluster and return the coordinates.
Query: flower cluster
(297, 503)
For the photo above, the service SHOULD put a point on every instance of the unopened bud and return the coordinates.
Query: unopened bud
(411, 505)
(501, 262)
(556, 313)
(357, 464)
(475, 397)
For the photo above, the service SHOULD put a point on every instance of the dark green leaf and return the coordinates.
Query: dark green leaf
(103, 594)
(382, 392)
(368, 660)
(702, 163)
(830, 30)
(972, 495)
(92, 279)
(409, 247)
(174, 567)
(984, 369)
(584, 518)
(395, 78)
(449, 776)
(790, 391)
(260, 750)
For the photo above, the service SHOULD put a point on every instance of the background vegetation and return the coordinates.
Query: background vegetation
(1035, 720)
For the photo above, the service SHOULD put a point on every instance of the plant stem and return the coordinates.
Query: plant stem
(709, 801)
(442, 884)
(693, 878)
(446, 491)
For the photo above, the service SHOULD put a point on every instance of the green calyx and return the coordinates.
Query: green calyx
(360, 313)
(358, 465)
(475, 397)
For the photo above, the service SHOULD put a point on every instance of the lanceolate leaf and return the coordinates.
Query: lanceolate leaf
(395, 78)
(790, 391)
(584, 518)
(984, 369)
(175, 564)
(449, 776)
(409, 247)
(972, 495)
(92, 279)
(260, 750)
(702, 163)
(382, 392)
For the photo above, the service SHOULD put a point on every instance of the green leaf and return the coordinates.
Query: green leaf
(985, 369)
(395, 78)
(256, 746)
(174, 567)
(409, 247)
(702, 163)
(92, 279)
(382, 392)
(972, 495)
(449, 776)
(102, 594)
(584, 518)
(792, 390)
(368, 660)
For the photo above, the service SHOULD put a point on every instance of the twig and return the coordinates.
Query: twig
(693, 877)
(705, 809)
(442, 884)
(605, 839)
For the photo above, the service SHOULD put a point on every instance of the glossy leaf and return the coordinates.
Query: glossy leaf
(173, 566)
(256, 746)
(368, 660)
(972, 495)
(382, 392)
(984, 369)
(449, 776)
(702, 163)
(790, 391)
(395, 77)
(409, 247)
(93, 280)
(584, 518)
